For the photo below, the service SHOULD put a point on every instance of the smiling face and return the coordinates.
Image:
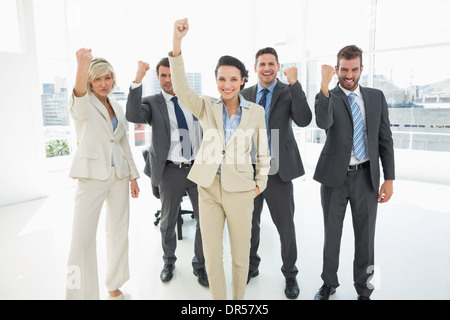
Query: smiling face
(349, 72)
(229, 81)
(102, 86)
(267, 68)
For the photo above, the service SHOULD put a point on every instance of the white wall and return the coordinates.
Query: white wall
(22, 166)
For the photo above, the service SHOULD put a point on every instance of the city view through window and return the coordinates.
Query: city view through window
(409, 63)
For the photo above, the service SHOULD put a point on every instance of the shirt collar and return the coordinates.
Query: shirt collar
(357, 91)
(242, 101)
(271, 87)
(166, 96)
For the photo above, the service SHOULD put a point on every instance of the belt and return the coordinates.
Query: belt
(359, 166)
(184, 165)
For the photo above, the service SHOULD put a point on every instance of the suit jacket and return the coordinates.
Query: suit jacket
(333, 114)
(98, 143)
(153, 110)
(234, 157)
(288, 103)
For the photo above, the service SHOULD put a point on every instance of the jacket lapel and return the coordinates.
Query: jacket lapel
(338, 91)
(253, 92)
(280, 86)
(101, 109)
(367, 107)
(162, 106)
(218, 116)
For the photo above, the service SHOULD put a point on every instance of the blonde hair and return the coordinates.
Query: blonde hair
(100, 67)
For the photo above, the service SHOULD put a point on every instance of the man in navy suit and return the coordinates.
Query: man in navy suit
(283, 103)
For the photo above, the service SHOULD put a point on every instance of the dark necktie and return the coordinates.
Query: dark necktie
(185, 139)
(262, 101)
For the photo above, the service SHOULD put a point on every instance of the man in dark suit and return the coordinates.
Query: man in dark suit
(176, 138)
(356, 121)
(283, 104)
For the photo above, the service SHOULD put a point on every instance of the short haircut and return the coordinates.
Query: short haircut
(267, 50)
(98, 68)
(163, 62)
(231, 61)
(348, 53)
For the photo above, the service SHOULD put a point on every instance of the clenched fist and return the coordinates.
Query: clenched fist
(84, 59)
(142, 69)
(291, 75)
(327, 75)
(180, 29)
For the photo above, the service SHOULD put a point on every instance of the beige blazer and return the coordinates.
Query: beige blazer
(97, 143)
(247, 146)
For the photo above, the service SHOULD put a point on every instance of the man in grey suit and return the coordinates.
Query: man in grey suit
(283, 104)
(176, 138)
(356, 121)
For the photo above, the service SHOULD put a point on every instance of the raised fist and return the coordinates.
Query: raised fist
(142, 69)
(181, 28)
(84, 58)
(291, 75)
(327, 73)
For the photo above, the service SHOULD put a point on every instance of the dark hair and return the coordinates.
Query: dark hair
(267, 50)
(163, 62)
(349, 53)
(231, 61)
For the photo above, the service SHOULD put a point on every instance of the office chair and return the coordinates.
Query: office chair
(155, 191)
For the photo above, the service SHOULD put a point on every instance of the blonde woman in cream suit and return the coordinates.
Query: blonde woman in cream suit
(106, 173)
(223, 170)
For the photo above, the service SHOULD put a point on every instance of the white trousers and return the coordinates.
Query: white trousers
(82, 276)
(216, 205)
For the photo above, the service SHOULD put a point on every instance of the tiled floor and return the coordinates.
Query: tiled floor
(412, 248)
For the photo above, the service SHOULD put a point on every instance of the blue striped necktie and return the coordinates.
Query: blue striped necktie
(359, 140)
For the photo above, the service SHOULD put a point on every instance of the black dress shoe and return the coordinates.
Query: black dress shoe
(292, 291)
(202, 276)
(363, 297)
(325, 292)
(252, 274)
(167, 272)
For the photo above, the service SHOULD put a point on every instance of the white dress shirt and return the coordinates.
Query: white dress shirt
(359, 99)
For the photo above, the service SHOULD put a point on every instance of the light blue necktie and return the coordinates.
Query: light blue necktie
(359, 140)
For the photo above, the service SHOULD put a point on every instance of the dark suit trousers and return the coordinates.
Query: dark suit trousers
(174, 183)
(279, 196)
(357, 189)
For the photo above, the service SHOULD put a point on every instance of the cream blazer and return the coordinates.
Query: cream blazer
(247, 146)
(97, 143)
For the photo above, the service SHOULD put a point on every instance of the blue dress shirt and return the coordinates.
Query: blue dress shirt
(230, 124)
(267, 106)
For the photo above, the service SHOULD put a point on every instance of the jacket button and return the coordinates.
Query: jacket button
(111, 140)
(223, 151)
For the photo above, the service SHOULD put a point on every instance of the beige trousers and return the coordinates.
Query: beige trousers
(82, 275)
(215, 206)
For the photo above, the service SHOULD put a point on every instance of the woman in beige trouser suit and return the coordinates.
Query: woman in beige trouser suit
(234, 131)
(104, 167)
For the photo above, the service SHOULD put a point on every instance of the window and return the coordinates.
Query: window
(411, 23)
(51, 42)
(9, 24)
